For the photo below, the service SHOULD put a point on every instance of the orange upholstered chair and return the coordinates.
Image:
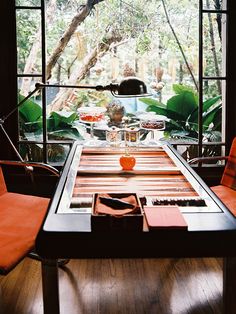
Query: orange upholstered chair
(20, 219)
(226, 190)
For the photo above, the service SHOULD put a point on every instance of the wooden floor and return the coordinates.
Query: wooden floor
(163, 286)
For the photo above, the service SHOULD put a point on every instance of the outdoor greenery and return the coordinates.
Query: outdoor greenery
(181, 110)
(103, 41)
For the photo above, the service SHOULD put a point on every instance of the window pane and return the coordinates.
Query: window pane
(28, 41)
(30, 3)
(139, 43)
(31, 152)
(213, 50)
(30, 113)
(57, 153)
(64, 124)
(215, 4)
(212, 110)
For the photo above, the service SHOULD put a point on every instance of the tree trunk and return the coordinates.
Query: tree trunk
(30, 62)
(218, 17)
(79, 73)
(62, 43)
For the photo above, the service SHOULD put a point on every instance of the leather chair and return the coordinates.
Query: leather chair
(226, 190)
(20, 219)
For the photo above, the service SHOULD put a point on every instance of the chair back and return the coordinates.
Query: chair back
(229, 175)
(3, 188)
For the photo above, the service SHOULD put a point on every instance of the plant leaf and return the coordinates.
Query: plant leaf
(30, 111)
(210, 115)
(184, 104)
(158, 108)
(179, 88)
(206, 105)
(62, 117)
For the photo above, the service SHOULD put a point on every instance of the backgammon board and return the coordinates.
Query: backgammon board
(157, 176)
(161, 178)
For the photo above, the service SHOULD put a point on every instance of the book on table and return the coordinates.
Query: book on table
(160, 217)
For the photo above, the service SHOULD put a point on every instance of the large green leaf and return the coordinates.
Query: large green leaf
(210, 102)
(158, 108)
(217, 120)
(179, 88)
(206, 106)
(30, 111)
(62, 117)
(173, 125)
(211, 115)
(183, 104)
(151, 101)
(33, 126)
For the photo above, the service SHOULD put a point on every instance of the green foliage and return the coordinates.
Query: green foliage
(182, 113)
(143, 43)
(60, 125)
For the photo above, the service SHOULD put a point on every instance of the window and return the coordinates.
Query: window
(183, 65)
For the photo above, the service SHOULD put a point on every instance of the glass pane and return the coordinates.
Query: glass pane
(215, 4)
(213, 150)
(213, 47)
(31, 152)
(28, 41)
(213, 93)
(30, 112)
(57, 153)
(142, 45)
(62, 117)
(188, 152)
(29, 3)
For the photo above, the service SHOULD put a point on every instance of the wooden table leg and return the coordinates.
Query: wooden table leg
(51, 303)
(229, 285)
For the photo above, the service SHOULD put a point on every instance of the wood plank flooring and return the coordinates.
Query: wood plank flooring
(112, 286)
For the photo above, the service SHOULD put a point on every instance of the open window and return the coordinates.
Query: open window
(183, 64)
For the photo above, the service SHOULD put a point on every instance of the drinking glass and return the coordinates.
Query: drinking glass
(92, 115)
(153, 123)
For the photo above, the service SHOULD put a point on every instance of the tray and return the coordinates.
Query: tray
(101, 221)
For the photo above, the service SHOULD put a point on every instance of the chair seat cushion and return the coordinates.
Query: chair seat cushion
(227, 196)
(20, 219)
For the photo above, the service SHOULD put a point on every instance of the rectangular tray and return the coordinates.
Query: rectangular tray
(106, 222)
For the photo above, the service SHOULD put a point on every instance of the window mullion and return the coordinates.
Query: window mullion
(44, 106)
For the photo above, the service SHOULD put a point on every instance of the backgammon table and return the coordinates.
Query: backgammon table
(160, 177)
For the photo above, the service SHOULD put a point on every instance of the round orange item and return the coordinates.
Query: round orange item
(127, 162)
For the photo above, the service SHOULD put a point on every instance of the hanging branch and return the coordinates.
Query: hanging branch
(83, 12)
(217, 5)
(179, 45)
(32, 57)
(79, 72)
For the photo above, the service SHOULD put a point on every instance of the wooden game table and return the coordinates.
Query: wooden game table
(160, 178)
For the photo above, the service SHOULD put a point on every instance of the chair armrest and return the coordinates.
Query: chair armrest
(207, 159)
(30, 165)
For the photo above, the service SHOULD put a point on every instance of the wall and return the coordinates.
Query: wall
(7, 78)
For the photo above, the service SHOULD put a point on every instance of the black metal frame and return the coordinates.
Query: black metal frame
(203, 11)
